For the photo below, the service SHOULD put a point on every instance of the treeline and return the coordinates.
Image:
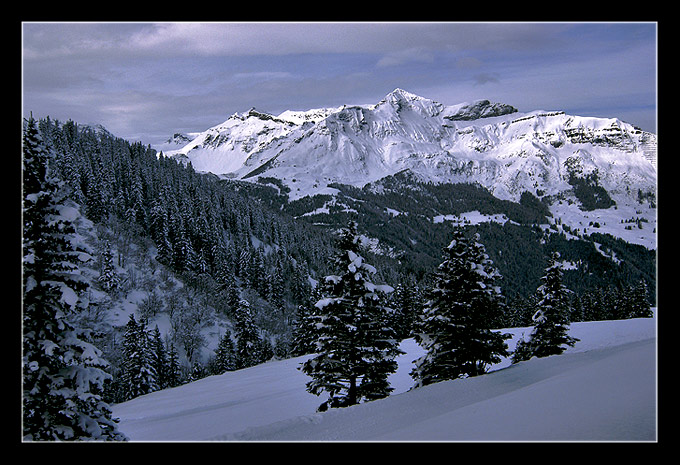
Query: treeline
(398, 211)
(150, 364)
(200, 224)
(218, 243)
(595, 261)
(597, 304)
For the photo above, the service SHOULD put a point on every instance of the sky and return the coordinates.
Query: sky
(147, 81)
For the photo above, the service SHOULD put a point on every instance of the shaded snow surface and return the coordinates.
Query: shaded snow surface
(603, 389)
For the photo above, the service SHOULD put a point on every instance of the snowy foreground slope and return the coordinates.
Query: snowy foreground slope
(603, 389)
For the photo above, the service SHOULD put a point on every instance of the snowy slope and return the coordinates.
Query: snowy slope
(603, 389)
(490, 143)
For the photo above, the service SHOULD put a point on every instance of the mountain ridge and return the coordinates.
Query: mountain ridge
(493, 144)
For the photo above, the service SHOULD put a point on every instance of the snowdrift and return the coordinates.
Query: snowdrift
(603, 389)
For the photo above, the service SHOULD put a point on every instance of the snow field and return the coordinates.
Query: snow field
(576, 397)
(603, 389)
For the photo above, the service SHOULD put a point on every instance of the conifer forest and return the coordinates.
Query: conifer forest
(142, 274)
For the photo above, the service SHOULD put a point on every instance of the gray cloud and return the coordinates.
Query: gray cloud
(409, 55)
(483, 78)
(149, 80)
(243, 39)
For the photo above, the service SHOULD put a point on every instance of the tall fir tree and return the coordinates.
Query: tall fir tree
(640, 307)
(304, 329)
(63, 371)
(248, 339)
(159, 359)
(356, 348)
(174, 373)
(108, 278)
(551, 320)
(159, 232)
(455, 325)
(225, 355)
(405, 307)
(275, 290)
(139, 373)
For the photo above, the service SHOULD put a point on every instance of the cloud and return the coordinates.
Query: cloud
(259, 76)
(249, 39)
(276, 38)
(409, 55)
(468, 63)
(484, 78)
(199, 73)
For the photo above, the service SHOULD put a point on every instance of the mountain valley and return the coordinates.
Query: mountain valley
(409, 168)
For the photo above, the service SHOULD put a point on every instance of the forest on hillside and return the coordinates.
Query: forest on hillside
(214, 253)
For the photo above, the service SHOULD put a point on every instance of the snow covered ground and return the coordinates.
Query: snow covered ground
(603, 389)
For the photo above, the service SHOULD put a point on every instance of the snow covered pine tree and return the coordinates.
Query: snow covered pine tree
(108, 278)
(304, 332)
(63, 372)
(225, 355)
(454, 327)
(355, 347)
(139, 372)
(551, 320)
(248, 338)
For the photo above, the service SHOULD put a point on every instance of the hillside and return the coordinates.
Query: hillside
(183, 249)
(192, 256)
(603, 389)
(408, 168)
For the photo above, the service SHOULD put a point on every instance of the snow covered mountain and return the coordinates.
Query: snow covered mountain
(492, 144)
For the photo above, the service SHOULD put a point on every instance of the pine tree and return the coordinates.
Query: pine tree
(160, 359)
(197, 371)
(276, 290)
(640, 307)
(258, 274)
(108, 278)
(304, 331)
(225, 356)
(174, 373)
(405, 302)
(300, 288)
(551, 320)
(159, 232)
(356, 349)
(282, 347)
(244, 264)
(265, 350)
(455, 325)
(184, 256)
(232, 296)
(63, 372)
(139, 373)
(95, 202)
(248, 339)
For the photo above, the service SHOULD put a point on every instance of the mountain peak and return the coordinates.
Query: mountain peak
(403, 94)
(401, 99)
